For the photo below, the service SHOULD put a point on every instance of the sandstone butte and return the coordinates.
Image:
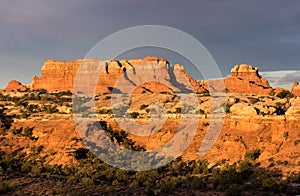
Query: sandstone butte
(149, 73)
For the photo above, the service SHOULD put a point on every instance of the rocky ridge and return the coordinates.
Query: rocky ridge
(149, 73)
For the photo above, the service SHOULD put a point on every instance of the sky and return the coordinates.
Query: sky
(265, 33)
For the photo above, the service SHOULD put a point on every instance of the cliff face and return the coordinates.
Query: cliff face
(56, 76)
(245, 79)
(150, 73)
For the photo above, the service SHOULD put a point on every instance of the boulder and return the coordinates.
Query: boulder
(295, 107)
(243, 109)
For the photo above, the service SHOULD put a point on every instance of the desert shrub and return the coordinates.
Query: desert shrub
(233, 191)
(42, 91)
(178, 110)
(26, 167)
(285, 135)
(87, 181)
(253, 155)
(134, 114)
(50, 109)
(279, 162)
(107, 97)
(200, 111)
(296, 142)
(165, 93)
(206, 93)
(16, 131)
(262, 113)
(197, 184)
(2, 97)
(35, 170)
(32, 108)
(4, 186)
(205, 124)
(81, 153)
(105, 111)
(285, 94)
(28, 132)
(144, 106)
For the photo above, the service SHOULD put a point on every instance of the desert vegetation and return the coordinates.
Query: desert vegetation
(177, 177)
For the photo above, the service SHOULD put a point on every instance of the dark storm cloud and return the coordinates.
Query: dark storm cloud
(261, 33)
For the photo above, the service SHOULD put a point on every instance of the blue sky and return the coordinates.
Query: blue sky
(262, 33)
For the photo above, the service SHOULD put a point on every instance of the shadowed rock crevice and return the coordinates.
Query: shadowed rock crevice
(127, 78)
(175, 83)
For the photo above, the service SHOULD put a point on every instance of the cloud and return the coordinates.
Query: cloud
(283, 78)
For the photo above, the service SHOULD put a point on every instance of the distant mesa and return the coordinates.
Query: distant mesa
(150, 73)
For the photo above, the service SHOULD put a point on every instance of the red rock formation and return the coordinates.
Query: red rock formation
(123, 76)
(296, 89)
(15, 86)
(153, 74)
(187, 81)
(56, 76)
(245, 79)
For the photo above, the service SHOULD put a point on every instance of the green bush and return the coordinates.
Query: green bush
(134, 114)
(253, 155)
(4, 186)
(205, 124)
(178, 110)
(16, 131)
(28, 132)
(26, 167)
(285, 94)
(107, 97)
(144, 106)
(296, 142)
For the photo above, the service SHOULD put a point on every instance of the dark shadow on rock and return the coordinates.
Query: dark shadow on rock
(175, 83)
